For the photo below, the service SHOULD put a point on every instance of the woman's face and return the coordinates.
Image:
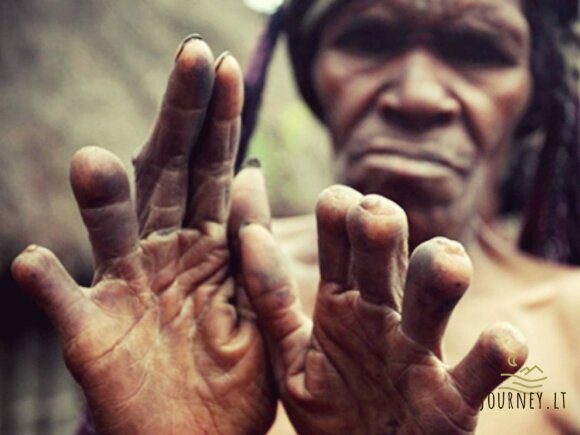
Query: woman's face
(422, 98)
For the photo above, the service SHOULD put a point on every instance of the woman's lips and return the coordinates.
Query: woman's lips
(409, 158)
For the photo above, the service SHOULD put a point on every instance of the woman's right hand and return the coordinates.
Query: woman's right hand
(370, 362)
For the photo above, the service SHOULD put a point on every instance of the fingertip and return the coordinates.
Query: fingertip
(41, 275)
(333, 204)
(184, 42)
(338, 194)
(376, 222)
(98, 177)
(504, 347)
(227, 66)
(193, 75)
(194, 54)
(442, 245)
(228, 94)
(22, 267)
(36, 270)
(444, 263)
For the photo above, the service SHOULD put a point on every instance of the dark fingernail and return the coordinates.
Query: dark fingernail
(185, 41)
(220, 59)
(248, 223)
(252, 163)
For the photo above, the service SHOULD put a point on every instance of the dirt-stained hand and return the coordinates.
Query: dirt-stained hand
(156, 342)
(371, 360)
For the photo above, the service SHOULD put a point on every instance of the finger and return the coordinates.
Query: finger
(333, 244)
(101, 188)
(438, 276)
(161, 167)
(377, 230)
(501, 350)
(38, 272)
(249, 205)
(213, 161)
(274, 295)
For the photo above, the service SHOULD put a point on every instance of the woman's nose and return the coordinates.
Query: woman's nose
(420, 96)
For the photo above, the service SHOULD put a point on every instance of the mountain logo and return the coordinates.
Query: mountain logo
(527, 380)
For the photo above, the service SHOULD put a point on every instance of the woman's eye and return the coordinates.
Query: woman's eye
(474, 50)
(377, 40)
(370, 41)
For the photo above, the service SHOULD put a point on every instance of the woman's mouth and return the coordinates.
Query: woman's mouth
(410, 159)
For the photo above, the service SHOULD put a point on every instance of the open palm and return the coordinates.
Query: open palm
(370, 362)
(156, 342)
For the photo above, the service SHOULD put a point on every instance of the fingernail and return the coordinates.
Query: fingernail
(220, 59)
(248, 223)
(31, 248)
(185, 41)
(252, 163)
(256, 222)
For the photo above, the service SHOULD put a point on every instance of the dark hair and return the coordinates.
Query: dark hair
(549, 196)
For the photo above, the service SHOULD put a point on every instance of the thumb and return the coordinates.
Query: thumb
(249, 204)
(40, 274)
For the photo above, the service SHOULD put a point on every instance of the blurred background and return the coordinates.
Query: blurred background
(92, 72)
(86, 72)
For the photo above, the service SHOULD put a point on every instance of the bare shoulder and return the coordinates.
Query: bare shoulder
(537, 290)
(562, 290)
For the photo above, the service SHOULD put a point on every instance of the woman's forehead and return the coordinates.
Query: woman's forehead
(432, 10)
(504, 17)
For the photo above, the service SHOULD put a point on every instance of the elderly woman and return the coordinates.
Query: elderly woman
(194, 323)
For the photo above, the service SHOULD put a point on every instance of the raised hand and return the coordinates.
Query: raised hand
(156, 343)
(371, 361)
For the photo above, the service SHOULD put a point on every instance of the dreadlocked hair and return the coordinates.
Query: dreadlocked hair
(551, 222)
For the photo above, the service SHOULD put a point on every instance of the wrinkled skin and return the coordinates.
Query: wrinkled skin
(370, 362)
(422, 103)
(155, 342)
(421, 100)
